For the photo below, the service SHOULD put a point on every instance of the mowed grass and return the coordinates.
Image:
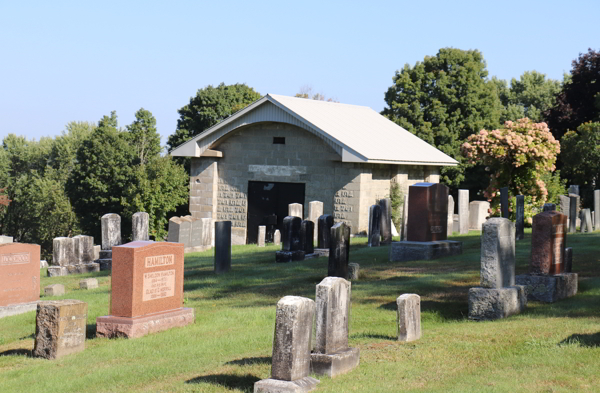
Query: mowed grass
(549, 348)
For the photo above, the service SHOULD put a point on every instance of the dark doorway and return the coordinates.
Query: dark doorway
(268, 205)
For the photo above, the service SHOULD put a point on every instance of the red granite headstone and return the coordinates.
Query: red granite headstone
(548, 240)
(19, 273)
(428, 212)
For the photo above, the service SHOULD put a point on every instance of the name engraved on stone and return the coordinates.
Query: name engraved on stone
(158, 285)
(160, 260)
(73, 335)
(19, 258)
(436, 229)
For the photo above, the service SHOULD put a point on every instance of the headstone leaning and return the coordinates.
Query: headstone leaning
(292, 245)
(450, 216)
(111, 230)
(463, 211)
(295, 210)
(339, 251)
(504, 201)
(290, 364)
(409, 317)
(140, 222)
(324, 231)
(262, 233)
(374, 226)
(222, 246)
(520, 218)
(315, 210)
(307, 230)
(385, 227)
(331, 355)
(60, 328)
(596, 210)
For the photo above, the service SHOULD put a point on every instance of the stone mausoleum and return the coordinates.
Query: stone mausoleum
(281, 150)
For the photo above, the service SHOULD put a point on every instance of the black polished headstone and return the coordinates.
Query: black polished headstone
(573, 214)
(339, 251)
(386, 220)
(549, 207)
(325, 223)
(520, 222)
(222, 246)
(291, 233)
(568, 259)
(504, 201)
(307, 235)
(374, 226)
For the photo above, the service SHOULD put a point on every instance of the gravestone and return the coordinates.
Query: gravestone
(374, 226)
(428, 214)
(409, 317)
(586, 221)
(295, 210)
(19, 277)
(292, 245)
(463, 211)
(339, 251)
(520, 218)
(596, 210)
(565, 205)
(88, 283)
(353, 270)
(60, 327)
(73, 256)
(478, 213)
(385, 227)
(498, 296)
(54, 290)
(568, 259)
(140, 223)
(549, 207)
(111, 230)
(146, 290)
(324, 231)
(307, 230)
(331, 355)
(83, 247)
(277, 237)
(405, 217)
(262, 233)
(504, 201)
(450, 216)
(573, 214)
(290, 365)
(180, 231)
(196, 233)
(573, 189)
(222, 246)
(63, 251)
(6, 239)
(315, 210)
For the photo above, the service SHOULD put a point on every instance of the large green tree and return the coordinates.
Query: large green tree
(144, 136)
(208, 107)
(443, 100)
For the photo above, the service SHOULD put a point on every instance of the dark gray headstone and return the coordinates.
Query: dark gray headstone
(573, 214)
(504, 201)
(222, 246)
(568, 259)
(307, 230)
(498, 253)
(565, 205)
(324, 229)
(374, 226)
(549, 207)
(339, 251)
(139, 226)
(520, 219)
(573, 189)
(291, 233)
(386, 220)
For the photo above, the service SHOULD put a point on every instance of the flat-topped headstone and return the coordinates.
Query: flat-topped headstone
(548, 239)
(140, 222)
(63, 251)
(565, 205)
(478, 213)
(54, 290)
(386, 220)
(6, 239)
(596, 210)
(324, 231)
(428, 214)
(19, 273)
(463, 211)
(450, 218)
(277, 237)
(549, 207)
(180, 231)
(295, 210)
(307, 231)
(374, 236)
(291, 233)
(83, 247)
(520, 218)
(498, 253)
(339, 251)
(573, 213)
(60, 327)
(111, 230)
(405, 217)
(409, 317)
(222, 246)
(586, 221)
(88, 283)
(262, 234)
(573, 189)
(504, 201)
(315, 210)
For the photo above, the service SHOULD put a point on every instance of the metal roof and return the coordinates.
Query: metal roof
(357, 133)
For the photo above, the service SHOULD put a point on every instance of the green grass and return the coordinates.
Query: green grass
(549, 348)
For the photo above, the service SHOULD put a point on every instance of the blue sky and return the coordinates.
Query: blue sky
(63, 61)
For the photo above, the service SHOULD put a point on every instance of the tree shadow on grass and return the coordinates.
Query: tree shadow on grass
(18, 352)
(373, 335)
(251, 361)
(229, 381)
(584, 340)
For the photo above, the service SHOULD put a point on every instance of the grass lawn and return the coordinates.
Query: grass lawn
(549, 348)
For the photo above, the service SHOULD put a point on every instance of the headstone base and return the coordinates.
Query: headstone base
(416, 251)
(105, 264)
(82, 268)
(548, 289)
(289, 256)
(334, 364)
(16, 309)
(324, 252)
(495, 303)
(110, 326)
(270, 385)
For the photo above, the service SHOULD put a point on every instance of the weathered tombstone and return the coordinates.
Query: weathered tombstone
(315, 210)
(385, 227)
(324, 231)
(54, 290)
(573, 214)
(295, 210)
(111, 230)
(331, 355)
(97, 249)
(409, 317)
(504, 201)
(586, 221)
(405, 217)
(549, 207)
(147, 290)
(478, 213)
(428, 215)
(19, 277)
(196, 233)
(339, 251)
(140, 222)
(568, 259)
(72, 256)
(565, 205)
(307, 230)
(63, 251)
(277, 237)
(374, 226)
(6, 239)
(463, 211)
(83, 247)
(450, 216)
(498, 296)
(290, 364)
(180, 231)
(88, 283)
(573, 189)
(520, 218)
(262, 233)
(60, 327)
(353, 270)
(222, 246)
(292, 245)
(597, 210)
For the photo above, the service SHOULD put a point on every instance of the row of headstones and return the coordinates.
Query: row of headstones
(569, 205)
(192, 232)
(315, 210)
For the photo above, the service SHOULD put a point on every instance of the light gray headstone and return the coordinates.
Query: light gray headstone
(586, 221)
(333, 311)
(295, 209)
(565, 205)
(478, 212)
(450, 215)
(293, 336)
(262, 233)
(6, 239)
(463, 211)
(394, 230)
(195, 233)
(409, 317)
(596, 209)
(180, 231)
(277, 237)
(140, 223)
(315, 210)
(97, 249)
(498, 253)
(83, 249)
(111, 230)
(54, 290)
(405, 218)
(206, 227)
(63, 251)
(88, 283)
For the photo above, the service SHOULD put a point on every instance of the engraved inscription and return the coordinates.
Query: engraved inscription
(74, 331)
(158, 285)
(19, 258)
(436, 229)
(160, 260)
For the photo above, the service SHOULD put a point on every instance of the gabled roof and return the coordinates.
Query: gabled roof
(357, 133)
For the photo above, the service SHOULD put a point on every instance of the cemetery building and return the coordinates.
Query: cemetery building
(280, 150)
